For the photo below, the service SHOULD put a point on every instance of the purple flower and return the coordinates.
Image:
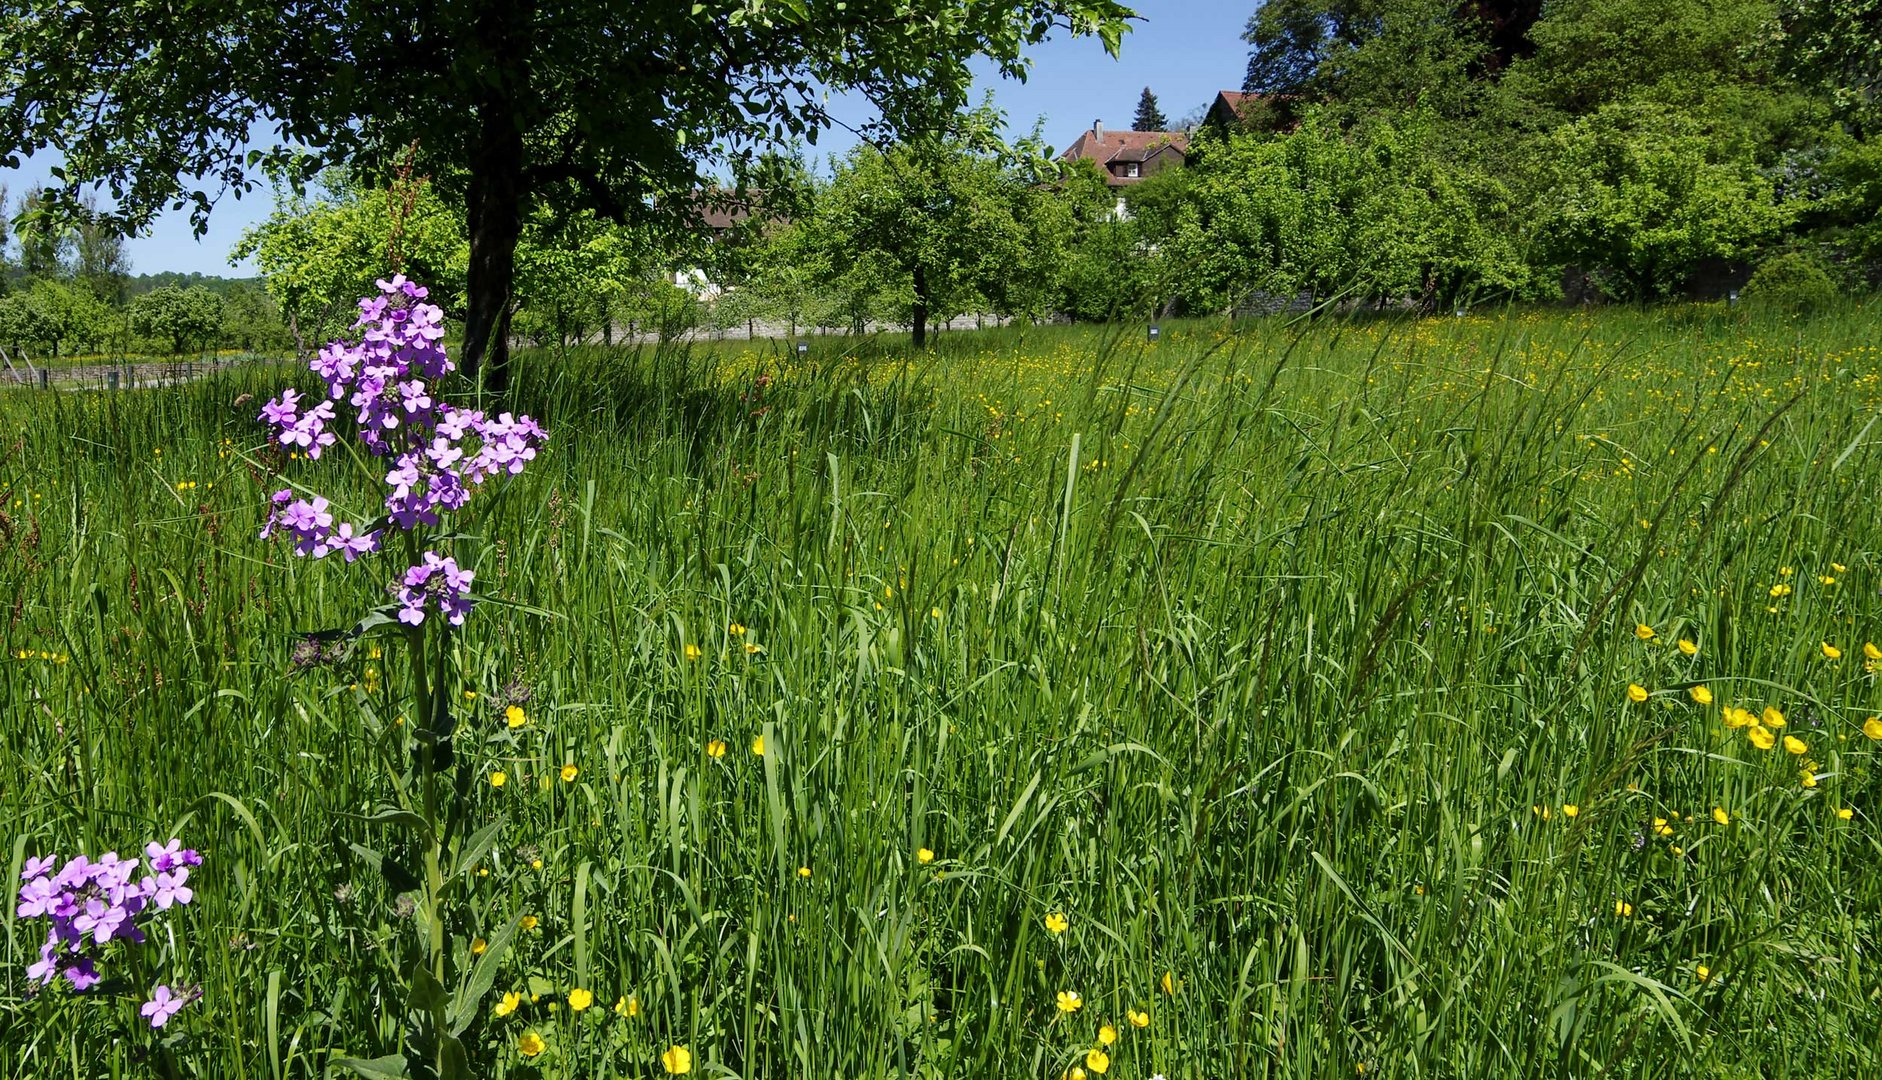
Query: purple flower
(163, 1004)
(38, 866)
(83, 974)
(172, 890)
(37, 898)
(280, 411)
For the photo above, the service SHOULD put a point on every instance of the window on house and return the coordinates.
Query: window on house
(1130, 169)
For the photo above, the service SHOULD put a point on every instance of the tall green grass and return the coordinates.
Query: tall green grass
(1270, 656)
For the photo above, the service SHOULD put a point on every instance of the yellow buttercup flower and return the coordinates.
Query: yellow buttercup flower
(1056, 922)
(1736, 717)
(1872, 727)
(529, 922)
(1098, 1061)
(1168, 982)
(803, 871)
(1780, 591)
(715, 748)
(1773, 717)
(531, 1045)
(515, 716)
(751, 647)
(736, 630)
(568, 774)
(580, 999)
(1844, 813)
(1107, 1035)
(758, 746)
(1831, 652)
(1623, 909)
(1074, 1073)
(1069, 1001)
(1570, 810)
(1762, 738)
(1807, 778)
(1719, 815)
(1636, 693)
(678, 1061)
(508, 1003)
(1701, 694)
(1661, 828)
(1688, 647)
(1795, 745)
(1870, 650)
(1137, 1018)
(692, 652)
(1703, 972)
(1643, 632)
(498, 778)
(924, 856)
(479, 946)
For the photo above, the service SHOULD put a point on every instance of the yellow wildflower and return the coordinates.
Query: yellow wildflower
(1636, 693)
(1831, 652)
(1098, 1061)
(715, 748)
(1773, 717)
(1107, 1035)
(758, 746)
(507, 1003)
(1844, 813)
(1137, 1018)
(1169, 983)
(1719, 815)
(924, 856)
(1623, 909)
(1703, 972)
(1069, 1001)
(1701, 694)
(568, 774)
(678, 1060)
(1762, 738)
(1795, 745)
(1870, 650)
(531, 1045)
(1643, 632)
(1872, 727)
(479, 946)
(1570, 810)
(1688, 647)
(580, 999)
(1056, 922)
(498, 778)
(736, 630)
(530, 922)
(692, 652)
(515, 716)
(803, 871)
(1807, 778)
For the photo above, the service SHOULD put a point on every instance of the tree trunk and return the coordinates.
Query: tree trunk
(494, 211)
(494, 203)
(920, 318)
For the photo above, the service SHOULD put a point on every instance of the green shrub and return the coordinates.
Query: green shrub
(1795, 281)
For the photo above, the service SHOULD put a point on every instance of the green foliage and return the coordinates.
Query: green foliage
(1645, 194)
(1258, 655)
(1149, 116)
(1795, 281)
(1373, 214)
(320, 254)
(181, 318)
(51, 315)
(618, 109)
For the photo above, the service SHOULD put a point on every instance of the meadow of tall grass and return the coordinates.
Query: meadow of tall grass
(1383, 698)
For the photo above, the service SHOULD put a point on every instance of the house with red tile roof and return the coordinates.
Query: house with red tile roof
(1127, 157)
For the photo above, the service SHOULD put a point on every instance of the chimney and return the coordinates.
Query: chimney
(1097, 130)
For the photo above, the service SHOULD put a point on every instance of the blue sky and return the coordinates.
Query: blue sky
(1184, 50)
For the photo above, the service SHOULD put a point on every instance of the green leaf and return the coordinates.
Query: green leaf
(474, 849)
(379, 1068)
(483, 976)
(397, 877)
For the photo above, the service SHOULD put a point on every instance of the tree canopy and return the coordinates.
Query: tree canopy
(617, 109)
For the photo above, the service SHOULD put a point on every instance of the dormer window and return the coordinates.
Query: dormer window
(1130, 168)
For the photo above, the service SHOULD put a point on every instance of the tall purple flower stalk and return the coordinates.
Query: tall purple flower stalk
(90, 903)
(438, 454)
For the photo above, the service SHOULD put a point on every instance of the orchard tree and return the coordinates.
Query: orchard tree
(183, 316)
(613, 108)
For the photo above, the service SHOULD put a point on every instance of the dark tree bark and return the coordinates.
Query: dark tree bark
(494, 199)
(920, 314)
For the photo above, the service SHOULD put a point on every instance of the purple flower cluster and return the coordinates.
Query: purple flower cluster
(91, 903)
(439, 453)
(439, 583)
